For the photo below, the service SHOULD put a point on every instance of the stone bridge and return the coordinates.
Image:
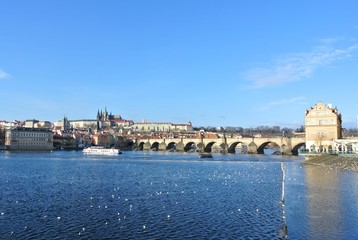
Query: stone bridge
(288, 146)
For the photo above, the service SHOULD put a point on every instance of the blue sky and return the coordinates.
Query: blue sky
(214, 63)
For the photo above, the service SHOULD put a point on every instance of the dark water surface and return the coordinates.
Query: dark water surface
(138, 195)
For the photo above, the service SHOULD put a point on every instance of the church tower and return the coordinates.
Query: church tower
(98, 115)
(105, 115)
(66, 124)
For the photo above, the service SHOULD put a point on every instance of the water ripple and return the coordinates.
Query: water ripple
(139, 196)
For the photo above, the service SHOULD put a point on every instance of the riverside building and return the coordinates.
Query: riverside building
(23, 138)
(323, 125)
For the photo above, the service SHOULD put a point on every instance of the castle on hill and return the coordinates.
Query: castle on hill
(104, 116)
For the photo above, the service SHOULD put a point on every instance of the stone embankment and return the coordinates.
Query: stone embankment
(349, 163)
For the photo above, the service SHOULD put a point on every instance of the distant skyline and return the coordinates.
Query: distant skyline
(228, 63)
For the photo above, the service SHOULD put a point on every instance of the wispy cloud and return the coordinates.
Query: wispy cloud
(298, 66)
(3, 74)
(294, 100)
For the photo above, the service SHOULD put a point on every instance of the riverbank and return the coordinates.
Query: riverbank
(349, 163)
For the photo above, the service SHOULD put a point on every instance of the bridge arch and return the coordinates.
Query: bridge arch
(141, 146)
(261, 148)
(232, 147)
(296, 147)
(155, 146)
(171, 146)
(208, 147)
(189, 146)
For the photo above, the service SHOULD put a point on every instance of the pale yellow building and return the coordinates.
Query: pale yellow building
(22, 138)
(102, 139)
(323, 124)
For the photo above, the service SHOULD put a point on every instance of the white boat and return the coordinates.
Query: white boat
(97, 150)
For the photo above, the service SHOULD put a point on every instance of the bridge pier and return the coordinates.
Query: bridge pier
(162, 146)
(224, 148)
(285, 150)
(147, 146)
(286, 147)
(252, 148)
(180, 146)
(200, 147)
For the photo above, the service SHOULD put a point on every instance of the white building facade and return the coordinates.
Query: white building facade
(347, 145)
(161, 127)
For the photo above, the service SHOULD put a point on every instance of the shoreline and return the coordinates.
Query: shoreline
(348, 163)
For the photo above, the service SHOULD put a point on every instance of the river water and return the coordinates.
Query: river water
(152, 195)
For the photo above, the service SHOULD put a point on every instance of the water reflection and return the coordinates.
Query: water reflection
(324, 202)
(355, 189)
